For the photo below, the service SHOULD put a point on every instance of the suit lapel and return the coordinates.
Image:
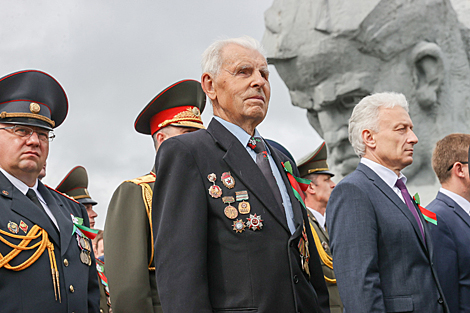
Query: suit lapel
(242, 165)
(64, 221)
(23, 206)
(455, 207)
(389, 193)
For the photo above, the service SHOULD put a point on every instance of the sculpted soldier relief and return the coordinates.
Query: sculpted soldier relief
(332, 53)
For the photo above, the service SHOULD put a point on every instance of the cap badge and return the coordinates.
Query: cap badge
(228, 180)
(13, 227)
(34, 107)
(196, 111)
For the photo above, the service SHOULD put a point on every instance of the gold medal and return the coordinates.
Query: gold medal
(239, 226)
(244, 207)
(84, 244)
(214, 190)
(13, 227)
(231, 212)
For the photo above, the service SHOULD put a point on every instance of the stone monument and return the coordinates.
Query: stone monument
(331, 53)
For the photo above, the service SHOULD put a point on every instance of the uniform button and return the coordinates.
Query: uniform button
(66, 262)
(101, 311)
(296, 279)
(71, 288)
(440, 301)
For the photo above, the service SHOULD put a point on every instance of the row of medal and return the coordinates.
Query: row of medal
(85, 247)
(254, 222)
(14, 228)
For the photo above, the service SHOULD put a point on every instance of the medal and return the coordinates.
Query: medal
(244, 207)
(23, 226)
(214, 190)
(84, 244)
(230, 211)
(241, 195)
(239, 226)
(85, 257)
(228, 180)
(254, 222)
(304, 252)
(13, 227)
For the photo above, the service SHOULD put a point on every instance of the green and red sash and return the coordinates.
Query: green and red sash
(429, 216)
(299, 185)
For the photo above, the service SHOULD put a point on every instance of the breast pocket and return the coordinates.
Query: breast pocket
(399, 304)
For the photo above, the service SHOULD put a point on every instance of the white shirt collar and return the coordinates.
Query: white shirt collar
(464, 204)
(18, 183)
(387, 175)
(237, 131)
(319, 217)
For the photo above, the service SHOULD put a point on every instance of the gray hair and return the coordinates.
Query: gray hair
(366, 116)
(212, 57)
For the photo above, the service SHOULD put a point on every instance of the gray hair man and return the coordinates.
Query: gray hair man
(227, 214)
(380, 242)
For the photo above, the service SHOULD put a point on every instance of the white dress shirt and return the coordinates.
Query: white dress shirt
(464, 204)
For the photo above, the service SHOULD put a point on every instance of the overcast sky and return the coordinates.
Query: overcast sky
(112, 58)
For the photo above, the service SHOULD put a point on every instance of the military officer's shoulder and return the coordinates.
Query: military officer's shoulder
(145, 179)
(60, 194)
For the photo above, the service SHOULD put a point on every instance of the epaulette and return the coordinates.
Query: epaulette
(149, 178)
(62, 194)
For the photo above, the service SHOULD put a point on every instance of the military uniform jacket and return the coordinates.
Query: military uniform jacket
(31, 289)
(202, 264)
(104, 307)
(336, 306)
(128, 242)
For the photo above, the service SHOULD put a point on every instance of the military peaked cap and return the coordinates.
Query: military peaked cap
(75, 185)
(32, 97)
(180, 104)
(315, 163)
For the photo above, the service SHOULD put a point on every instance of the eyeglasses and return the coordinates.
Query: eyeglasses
(450, 167)
(24, 131)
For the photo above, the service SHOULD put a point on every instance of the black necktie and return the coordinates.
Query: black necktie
(31, 194)
(262, 160)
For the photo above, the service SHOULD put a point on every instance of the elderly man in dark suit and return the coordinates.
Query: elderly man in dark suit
(230, 236)
(451, 232)
(46, 261)
(381, 244)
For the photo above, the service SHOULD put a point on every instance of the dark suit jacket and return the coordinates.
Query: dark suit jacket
(451, 240)
(31, 290)
(380, 259)
(202, 264)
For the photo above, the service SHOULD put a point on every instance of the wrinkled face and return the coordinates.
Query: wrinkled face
(323, 188)
(91, 214)
(395, 139)
(242, 87)
(332, 77)
(22, 156)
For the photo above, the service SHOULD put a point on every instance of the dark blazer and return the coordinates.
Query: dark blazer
(202, 264)
(31, 290)
(451, 240)
(380, 259)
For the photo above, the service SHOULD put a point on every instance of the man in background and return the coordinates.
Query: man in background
(451, 232)
(130, 266)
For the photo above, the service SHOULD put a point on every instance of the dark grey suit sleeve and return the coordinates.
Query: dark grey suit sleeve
(353, 230)
(180, 231)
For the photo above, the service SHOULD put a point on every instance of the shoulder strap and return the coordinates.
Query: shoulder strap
(147, 193)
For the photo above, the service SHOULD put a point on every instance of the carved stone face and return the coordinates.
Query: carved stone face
(330, 70)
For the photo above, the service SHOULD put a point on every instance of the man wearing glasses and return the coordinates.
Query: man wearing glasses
(46, 261)
(451, 232)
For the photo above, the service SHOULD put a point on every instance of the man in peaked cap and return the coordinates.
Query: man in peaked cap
(63, 279)
(75, 185)
(128, 237)
(315, 168)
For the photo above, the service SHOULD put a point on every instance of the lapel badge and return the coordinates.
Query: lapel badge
(325, 245)
(243, 207)
(229, 210)
(228, 180)
(254, 222)
(5, 192)
(23, 226)
(239, 226)
(13, 227)
(214, 190)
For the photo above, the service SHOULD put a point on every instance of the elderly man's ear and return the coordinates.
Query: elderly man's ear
(428, 70)
(207, 83)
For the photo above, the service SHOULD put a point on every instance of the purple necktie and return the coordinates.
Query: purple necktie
(406, 196)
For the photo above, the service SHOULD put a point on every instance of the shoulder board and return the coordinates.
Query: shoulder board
(149, 178)
(62, 194)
